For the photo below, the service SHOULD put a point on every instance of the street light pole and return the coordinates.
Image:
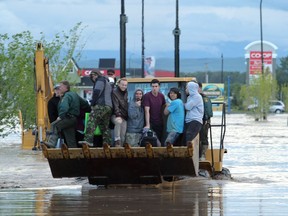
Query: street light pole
(261, 36)
(143, 42)
(176, 33)
(123, 21)
(222, 69)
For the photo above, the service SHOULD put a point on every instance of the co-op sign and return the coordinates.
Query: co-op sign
(86, 72)
(255, 61)
(257, 55)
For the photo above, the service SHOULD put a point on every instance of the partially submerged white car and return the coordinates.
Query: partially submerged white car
(275, 106)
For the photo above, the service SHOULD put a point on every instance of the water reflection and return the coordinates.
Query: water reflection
(188, 197)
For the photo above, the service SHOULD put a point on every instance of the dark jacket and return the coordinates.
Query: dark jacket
(84, 108)
(135, 121)
(208, 111)
(69, 105)
(53, 108)
(102, 92)
(120, 103)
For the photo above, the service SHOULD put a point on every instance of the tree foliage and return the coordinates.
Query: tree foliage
(259, 92)
(282, 72)
(282, 80)
(284, 94)
(17, 76)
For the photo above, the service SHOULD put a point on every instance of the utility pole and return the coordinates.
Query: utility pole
(222, 67)
(261, 36)
(143, 42)
(228, 94)
(176, 33)
(206, 75)
(123, 21)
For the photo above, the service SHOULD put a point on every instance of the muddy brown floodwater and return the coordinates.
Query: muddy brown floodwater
(256, 158)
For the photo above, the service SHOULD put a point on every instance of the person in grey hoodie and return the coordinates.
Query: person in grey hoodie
(135, 121)
(101, 109)
(194, 112)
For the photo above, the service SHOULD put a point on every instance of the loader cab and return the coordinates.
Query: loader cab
(165, 85)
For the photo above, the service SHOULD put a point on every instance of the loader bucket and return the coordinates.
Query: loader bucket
(123, 165)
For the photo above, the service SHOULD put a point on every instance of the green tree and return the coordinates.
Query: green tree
(236, 101)
(282, 72)
(284, 94)
(17, 77)
(260, 91)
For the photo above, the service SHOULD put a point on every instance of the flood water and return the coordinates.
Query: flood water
(257, 159)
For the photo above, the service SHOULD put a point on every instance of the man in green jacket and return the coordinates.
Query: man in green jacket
(68, 111)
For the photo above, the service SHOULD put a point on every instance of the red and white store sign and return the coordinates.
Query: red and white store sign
(86, 72)
(255, 62)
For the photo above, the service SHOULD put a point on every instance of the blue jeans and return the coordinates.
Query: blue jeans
(171, 137)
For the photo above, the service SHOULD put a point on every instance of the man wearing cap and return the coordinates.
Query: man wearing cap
(111, 75)
(52, 105)
(101, 108)
(68, 111)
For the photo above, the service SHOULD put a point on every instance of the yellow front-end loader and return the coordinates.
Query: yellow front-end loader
(120, 165)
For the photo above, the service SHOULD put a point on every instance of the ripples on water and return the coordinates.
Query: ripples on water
(257, 150)
(257, 160)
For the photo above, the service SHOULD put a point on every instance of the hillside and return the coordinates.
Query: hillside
(186, 65)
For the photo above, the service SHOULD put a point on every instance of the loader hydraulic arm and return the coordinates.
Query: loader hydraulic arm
(43, 91)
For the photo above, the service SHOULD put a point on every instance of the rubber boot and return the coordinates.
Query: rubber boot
(52, 141)
(203, 153)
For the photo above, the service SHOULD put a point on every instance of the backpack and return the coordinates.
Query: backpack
(208, 111)
(148, 136)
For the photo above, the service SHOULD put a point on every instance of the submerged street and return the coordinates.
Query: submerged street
(256, 159)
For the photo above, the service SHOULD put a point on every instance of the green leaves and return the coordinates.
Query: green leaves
(260, 91)
(17, 77)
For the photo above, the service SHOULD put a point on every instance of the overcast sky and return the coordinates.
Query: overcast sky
(211, 27)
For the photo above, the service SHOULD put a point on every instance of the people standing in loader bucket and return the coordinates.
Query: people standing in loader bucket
(135, 122)
(194, 112)
(52, 105)
(111, 76)
(68, 111)
(176, 113)
(120, 111)
(208, 113)
(101, 108)
(153, 103)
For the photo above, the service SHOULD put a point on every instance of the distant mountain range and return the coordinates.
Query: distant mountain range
(90, 59)
(186, 65)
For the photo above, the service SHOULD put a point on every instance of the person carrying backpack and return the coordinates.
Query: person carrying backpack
(208, 113)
